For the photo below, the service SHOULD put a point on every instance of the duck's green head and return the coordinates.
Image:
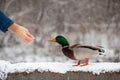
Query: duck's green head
(61, 40)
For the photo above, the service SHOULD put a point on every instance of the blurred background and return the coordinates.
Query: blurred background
(94, 22)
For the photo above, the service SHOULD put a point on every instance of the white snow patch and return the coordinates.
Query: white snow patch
(95, 68)
(3, 69)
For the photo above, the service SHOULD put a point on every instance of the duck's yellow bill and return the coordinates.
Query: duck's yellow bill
(52, 40)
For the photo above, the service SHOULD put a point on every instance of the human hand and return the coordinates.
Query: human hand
(23, 33)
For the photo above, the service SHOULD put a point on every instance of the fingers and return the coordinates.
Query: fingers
(28, 38)
(24, 34)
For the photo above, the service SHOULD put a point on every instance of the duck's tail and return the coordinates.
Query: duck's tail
(101, 51)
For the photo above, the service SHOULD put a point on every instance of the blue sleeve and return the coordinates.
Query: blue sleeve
(5, 22)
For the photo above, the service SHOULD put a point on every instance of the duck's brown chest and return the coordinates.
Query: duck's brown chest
(68, 52)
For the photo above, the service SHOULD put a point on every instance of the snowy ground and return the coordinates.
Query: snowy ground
(95, 68)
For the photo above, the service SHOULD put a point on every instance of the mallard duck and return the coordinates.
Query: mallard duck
(69, 50)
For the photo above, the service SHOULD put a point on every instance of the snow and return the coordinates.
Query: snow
(57, 67)
(3, 69)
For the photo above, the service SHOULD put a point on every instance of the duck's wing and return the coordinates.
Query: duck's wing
(83, 53)
(85, 46)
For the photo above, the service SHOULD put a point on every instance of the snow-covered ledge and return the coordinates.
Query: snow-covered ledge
(59, 71)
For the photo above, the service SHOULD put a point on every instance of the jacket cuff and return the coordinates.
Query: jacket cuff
(5, 22)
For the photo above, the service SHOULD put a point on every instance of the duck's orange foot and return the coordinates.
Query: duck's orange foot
(87, 62)
(78, 64)
(84, 64)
